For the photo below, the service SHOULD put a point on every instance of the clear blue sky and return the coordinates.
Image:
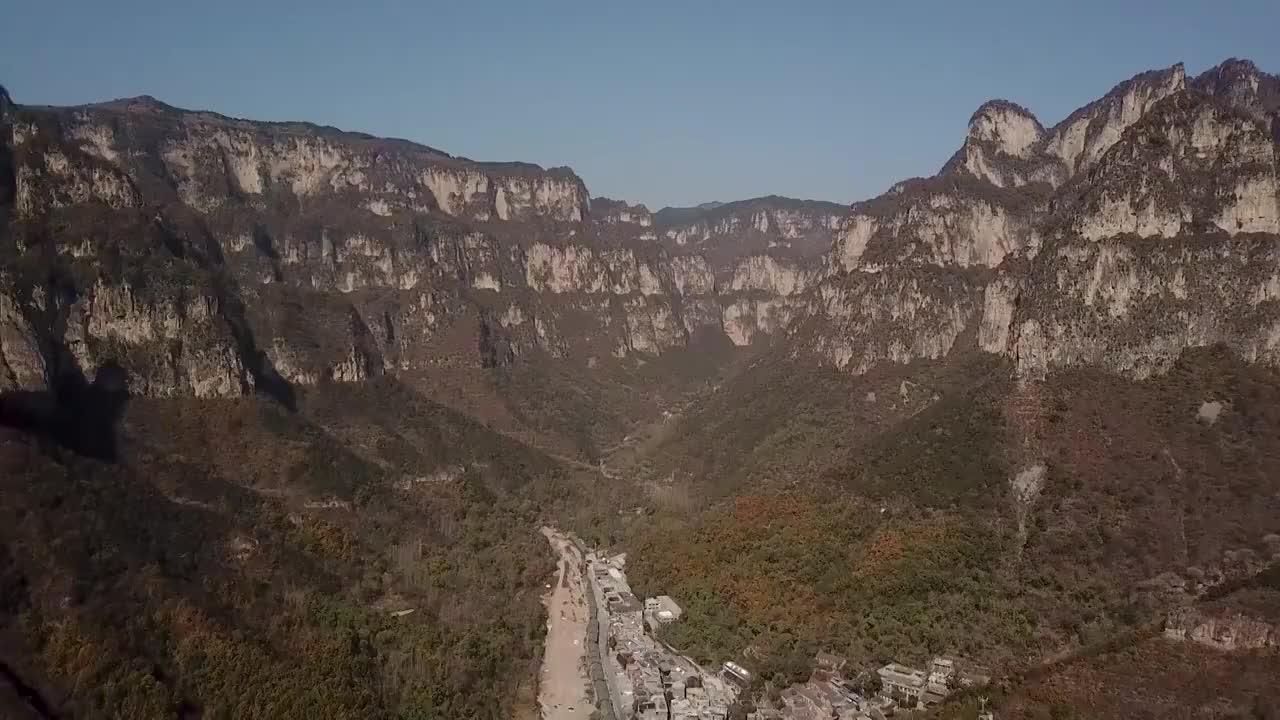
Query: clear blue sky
(657, 102)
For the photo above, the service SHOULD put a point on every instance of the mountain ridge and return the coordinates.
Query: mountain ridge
(409, 242)
(1013, 407)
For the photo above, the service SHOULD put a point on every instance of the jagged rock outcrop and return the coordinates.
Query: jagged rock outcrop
(1193, 162)
(211, 256)
(1161, 234)
(777, 226)
(1133, 308)
(1005, 147)
(323, 255)
(1081, 139)
(946, 221)
(617, 212)
(1223, 632)
(1243, 86)
(864, 319)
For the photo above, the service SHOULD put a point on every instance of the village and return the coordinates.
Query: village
(644, 678)
(829, 695)
(636, 676)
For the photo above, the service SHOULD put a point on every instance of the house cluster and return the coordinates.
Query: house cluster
(661, 609)
(910, 687)
(829, 695)
(650, 680)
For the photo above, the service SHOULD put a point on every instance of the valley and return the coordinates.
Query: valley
(283, 408)
(563, 688)
(632, 673)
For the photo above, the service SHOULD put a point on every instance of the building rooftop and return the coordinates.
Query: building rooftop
(828, 661)
(901, 675)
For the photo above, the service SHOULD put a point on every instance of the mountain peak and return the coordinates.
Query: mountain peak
(1000, 106)
(1011, 127)
(1233, 68)
(1240, 83)
(139, 103)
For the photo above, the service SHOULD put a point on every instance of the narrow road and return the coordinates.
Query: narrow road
(610, 665)
(563, 693)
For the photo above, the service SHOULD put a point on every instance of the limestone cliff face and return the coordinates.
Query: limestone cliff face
(864, 319)
(1080, 140)
(1222, 631)
(777, 226)
(581, 269)
(22, 364)
(219, 254)
(213, 256)
(212, 161)
(746, 319)
(1144, 224)
(1192, 162)
(1005, 147)
(940, 221)
(173, 345)
(48, 176)
(999, 302)
(1169, 242)
(1134, 308)
(770, 275)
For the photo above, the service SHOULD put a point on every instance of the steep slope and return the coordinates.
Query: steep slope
(404, 255)
(1192, 167)
(179, 578)
(217, 257)
(1011, 410)
(1034, 353)
(1156, 235)
(404, 234)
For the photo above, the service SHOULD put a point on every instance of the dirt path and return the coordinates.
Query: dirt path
(563, 693)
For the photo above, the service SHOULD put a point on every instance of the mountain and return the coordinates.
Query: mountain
(1028, 402)
(393, 246)
(994, 430)
(408, 237)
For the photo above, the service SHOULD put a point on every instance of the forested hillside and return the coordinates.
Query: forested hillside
(181, 578)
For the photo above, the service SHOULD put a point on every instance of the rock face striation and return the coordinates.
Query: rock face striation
(1222, 631)
(1143, 224)
(214, 257)
(210, 255)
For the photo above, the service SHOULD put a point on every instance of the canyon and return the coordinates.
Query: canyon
(189, 243)
(290, 381)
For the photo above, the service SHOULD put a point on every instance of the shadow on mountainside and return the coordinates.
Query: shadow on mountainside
(19, 698)
(80, 416)
(267, 380)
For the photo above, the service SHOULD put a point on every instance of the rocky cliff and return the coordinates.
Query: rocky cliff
(214, 256)
(210, 255)
(1143, 224)
(1223, 632)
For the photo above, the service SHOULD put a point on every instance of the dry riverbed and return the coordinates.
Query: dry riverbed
(563, 692)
